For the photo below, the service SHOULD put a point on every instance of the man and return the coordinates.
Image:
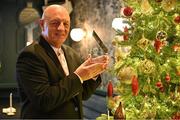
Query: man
(51, 77)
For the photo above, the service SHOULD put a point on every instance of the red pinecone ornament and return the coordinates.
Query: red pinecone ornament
(128, 11)
(157, 45)
(110, 89)
(135, 85)
(125, 36)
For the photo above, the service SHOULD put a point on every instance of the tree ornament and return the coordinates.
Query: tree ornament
(125, 75)
(159, 84)
(119, 113)
(110, 89)
(158, 45)
(168, 5)
(143, 43)
(121, 52)
(161, 35)
(167, 78)
(135, 85)
(146, 7)
(147, 67)
(125, 36)
(127, 11)
(177, 19)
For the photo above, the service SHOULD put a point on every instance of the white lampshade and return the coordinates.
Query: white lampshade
(118, 24)
(77, 34)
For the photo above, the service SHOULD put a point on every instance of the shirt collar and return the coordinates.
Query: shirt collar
(58, 51)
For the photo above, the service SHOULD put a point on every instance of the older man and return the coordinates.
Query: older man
(51, 77)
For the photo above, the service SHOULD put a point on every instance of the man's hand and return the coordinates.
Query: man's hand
(92, 67)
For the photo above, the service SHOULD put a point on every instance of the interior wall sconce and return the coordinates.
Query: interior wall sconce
(120, 24)
(77, 34)
(28, 14)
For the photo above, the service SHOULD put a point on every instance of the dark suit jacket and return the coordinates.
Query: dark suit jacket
(44, 89)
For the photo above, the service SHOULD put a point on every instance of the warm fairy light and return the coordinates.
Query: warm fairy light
(119, 24)
(77, 34)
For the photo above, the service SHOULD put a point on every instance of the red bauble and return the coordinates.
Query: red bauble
(177, 19)
(110, 89)
(168, 78)
(159, 84)
(135, 85)
(127, 11)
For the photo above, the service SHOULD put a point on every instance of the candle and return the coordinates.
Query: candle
(108, 113)
(10, 99)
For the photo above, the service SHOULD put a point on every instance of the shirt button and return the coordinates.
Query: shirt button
(76, 109)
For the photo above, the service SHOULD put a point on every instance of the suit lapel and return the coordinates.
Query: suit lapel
(50, 52)
(68, 58)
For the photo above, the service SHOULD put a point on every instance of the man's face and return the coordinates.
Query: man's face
(56, 27)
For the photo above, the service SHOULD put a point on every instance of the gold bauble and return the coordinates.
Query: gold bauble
(168, 5)
(146, 7)
(125, 75)
(147, 66)
(143, 43)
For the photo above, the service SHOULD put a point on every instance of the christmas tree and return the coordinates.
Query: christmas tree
(147, 60)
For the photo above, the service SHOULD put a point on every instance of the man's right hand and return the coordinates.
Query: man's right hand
(92, 67)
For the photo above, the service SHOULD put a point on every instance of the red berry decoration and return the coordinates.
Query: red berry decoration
(135, 85)
(177, 19)
(127, 11)
(110, 89)
(168, 78)
(159, 84)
